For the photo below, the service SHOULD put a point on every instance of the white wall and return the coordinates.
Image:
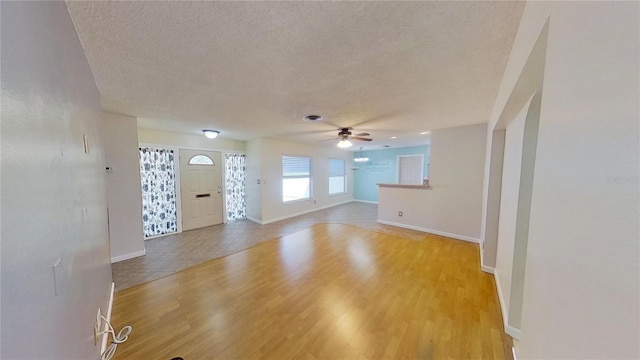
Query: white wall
(188, 141)
(271, 151)
(53, 194)
(454, 206)
(124, 197)
(491, 197)
(581, 281)
(509, 207)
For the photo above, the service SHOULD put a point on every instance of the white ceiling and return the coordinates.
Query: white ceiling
(254, 69)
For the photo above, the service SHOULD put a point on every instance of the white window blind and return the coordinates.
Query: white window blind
(296, 178)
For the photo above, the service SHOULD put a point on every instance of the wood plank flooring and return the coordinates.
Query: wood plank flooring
(172, 253)
(331, 291)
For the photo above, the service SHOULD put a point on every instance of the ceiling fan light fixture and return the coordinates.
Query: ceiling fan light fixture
(211, 134)
(344, 143)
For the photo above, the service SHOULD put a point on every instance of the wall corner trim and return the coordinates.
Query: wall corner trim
(510, 330)
(513, 332)
(128, 256)
(259, 222)
(488, 269)
(431, 231)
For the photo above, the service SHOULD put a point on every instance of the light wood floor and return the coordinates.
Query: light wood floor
(172, 253)
(331, 291)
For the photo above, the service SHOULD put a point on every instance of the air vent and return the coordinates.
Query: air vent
(312, 118)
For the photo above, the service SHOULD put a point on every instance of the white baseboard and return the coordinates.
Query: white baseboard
(128, 256)
(163, 235)
(503, 305)
(265, 222)
(259, 222)
(488, 269)
(513, 332)
(105, 337)
(431, 231)
(510, 330)
(366, 201)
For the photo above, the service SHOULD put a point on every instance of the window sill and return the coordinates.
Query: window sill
(338, 194)
(295, 201)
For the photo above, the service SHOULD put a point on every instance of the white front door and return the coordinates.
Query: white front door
(201, 188)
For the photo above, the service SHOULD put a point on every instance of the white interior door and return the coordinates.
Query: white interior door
(201, 188)
(410, 169)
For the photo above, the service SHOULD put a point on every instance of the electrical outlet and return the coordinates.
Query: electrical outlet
(399, 213)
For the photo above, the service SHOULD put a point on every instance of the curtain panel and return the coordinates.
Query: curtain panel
(235, 182)
(158, 178)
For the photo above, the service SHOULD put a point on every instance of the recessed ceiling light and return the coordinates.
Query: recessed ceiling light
(211, 134)
(425, 132)
(394, 137)
(313, 118)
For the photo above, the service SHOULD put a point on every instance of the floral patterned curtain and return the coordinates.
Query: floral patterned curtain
(235, 174)
(158, 177)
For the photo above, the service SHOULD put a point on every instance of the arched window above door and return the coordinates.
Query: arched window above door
(201, 160)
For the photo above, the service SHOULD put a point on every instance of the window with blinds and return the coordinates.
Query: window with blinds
(296, 178)
(337, 177)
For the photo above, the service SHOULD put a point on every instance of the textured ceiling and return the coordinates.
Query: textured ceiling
(254, 69)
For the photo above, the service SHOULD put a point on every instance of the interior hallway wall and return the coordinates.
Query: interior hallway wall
(55, 251)
(581, 281)
(124, 197)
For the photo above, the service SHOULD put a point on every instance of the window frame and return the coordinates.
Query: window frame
(283, 177)
(213, 163)
(343, 175)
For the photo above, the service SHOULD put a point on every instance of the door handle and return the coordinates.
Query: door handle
(202, 195)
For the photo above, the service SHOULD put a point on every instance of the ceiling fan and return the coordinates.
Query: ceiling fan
(345, 135)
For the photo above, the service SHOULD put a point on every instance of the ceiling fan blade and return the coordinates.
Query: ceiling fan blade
(331, 139)
(362, 134)
(359, 138)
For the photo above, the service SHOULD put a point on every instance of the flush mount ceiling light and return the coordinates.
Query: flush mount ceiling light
(211, 134)
(312, 118)
(361, 158)
(344, 143)
(425, 132)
